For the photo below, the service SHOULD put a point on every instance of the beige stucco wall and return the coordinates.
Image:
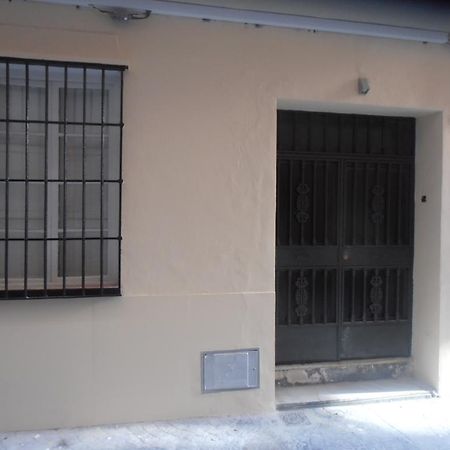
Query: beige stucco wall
(199, 208)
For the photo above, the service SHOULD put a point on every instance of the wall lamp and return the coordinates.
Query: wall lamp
(123, 14)
(363, 86)
(257, 17)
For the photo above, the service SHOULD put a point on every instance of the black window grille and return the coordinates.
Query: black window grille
(60, 178)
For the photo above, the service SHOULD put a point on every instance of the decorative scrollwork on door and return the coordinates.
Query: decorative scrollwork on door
(378, 204)
(302, 214)
(301, 296)
(376, 295)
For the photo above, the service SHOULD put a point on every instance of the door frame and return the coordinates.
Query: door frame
(428, 338)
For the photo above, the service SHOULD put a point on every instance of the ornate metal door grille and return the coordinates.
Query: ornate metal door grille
(345, 211)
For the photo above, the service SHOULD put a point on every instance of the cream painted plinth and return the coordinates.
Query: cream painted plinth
(70, 362)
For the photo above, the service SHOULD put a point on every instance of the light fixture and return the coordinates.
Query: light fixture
(363, 86)
(258, 17)
(123, 14)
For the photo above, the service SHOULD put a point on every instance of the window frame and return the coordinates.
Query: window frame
(56, 285)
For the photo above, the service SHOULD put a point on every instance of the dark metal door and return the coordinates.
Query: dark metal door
(344, 253)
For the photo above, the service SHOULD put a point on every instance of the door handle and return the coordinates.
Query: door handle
(346, 255)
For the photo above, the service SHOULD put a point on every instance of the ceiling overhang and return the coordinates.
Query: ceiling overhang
(268, 18)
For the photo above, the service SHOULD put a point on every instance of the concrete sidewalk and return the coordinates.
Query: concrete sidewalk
(409, 424)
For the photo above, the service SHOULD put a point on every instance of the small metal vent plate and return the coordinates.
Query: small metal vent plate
(230, 370)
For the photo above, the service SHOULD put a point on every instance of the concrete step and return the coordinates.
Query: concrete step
(342, 371)
(335, 394)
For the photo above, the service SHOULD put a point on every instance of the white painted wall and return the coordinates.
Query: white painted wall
(427, 248)
(444, 317)
(199, 210)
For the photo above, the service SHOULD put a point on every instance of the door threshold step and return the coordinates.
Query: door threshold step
(341, 371)
(348, 393)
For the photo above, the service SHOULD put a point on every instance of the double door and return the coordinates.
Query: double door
(344, 254)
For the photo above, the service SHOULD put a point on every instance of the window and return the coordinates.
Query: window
(60, 178)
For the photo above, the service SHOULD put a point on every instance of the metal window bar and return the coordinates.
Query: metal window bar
(375, 312)
(27, 116)
(61, 122)
(410, 201)
(397, 295)
(377, 225)
(58, 180)
(313, 297)
(102, 184)
(58, 239)
(119, 249)
(277, 309)
(352, 318)
(325, 206)
(291, 201)
(354, 200)
(314, 194)
(46, 287)
(308, 136)
(46, 184)
(388, 204)
(7, 67)
(56, 63)
(302, 224)
(366, 202)
(399, 209)
(289, 312)
(325, 296)
(364, 298)
(291, 145)
(64, 246)
(83, 190)
(300, 316)
(386, 295)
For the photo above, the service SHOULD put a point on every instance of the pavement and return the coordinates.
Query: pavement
(400, 424)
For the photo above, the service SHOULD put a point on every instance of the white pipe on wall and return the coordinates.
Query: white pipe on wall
(200, 11)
